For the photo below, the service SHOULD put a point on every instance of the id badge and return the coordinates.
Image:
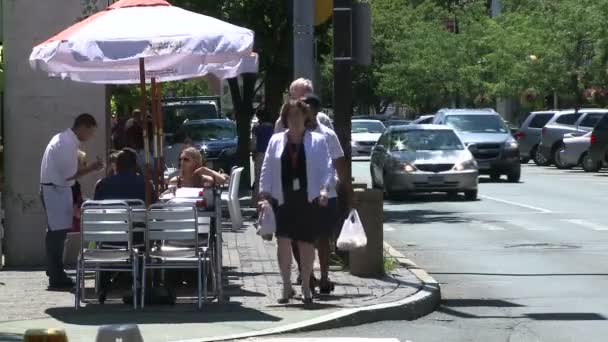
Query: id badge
(296, 185)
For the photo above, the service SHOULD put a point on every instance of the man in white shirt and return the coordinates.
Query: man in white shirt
(330, 216)
(58, 171)
(297, 90)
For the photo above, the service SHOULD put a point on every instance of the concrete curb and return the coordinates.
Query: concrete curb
(417, 305)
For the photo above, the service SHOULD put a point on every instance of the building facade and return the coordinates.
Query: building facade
(35, 108)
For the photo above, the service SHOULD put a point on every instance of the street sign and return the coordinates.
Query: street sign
(323, 11)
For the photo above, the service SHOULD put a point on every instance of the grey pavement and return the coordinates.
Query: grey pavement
(527, 262)
(252, 285)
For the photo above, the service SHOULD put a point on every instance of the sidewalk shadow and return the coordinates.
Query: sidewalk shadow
(97, 314)
(423, 216)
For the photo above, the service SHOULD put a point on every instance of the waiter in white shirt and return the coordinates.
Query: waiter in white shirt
(58, 171)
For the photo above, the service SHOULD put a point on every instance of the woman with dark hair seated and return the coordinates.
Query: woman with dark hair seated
(125, 184)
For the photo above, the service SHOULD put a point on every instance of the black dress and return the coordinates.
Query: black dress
(296, 218)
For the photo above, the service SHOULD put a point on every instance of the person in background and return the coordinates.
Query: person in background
(126, 183)
(295, 179)
(297, 90)
(263, 132)
(58, 172)
(332, 222)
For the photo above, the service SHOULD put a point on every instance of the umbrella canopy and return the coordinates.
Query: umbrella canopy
(175, 44)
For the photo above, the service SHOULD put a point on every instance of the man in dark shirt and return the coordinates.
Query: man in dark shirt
(126, 183)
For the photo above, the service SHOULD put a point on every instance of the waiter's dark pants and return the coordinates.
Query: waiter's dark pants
(55, 240)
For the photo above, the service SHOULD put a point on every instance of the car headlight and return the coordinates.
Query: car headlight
(511, 144)
(353, 143)
(231, 150)
(407, 167)
(470, 164)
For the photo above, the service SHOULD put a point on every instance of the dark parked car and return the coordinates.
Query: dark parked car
(598, 149)
(216, 139)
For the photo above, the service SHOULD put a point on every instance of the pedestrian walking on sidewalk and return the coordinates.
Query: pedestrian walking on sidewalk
(58, 172)
(295, 178)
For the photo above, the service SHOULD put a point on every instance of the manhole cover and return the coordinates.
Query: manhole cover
(543, 245)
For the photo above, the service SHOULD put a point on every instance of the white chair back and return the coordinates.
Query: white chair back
(106, 221)
(235, 181)
(171, 222)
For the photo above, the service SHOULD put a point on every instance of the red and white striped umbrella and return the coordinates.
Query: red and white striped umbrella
(175, 44)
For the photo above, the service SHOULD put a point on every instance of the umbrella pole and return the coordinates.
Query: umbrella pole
(154, 110)
(144, 114)
(161, 134)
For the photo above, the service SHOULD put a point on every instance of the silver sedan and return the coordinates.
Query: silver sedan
(576, 151)
(423, 158)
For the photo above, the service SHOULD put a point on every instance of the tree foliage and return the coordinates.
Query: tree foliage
(533, 49)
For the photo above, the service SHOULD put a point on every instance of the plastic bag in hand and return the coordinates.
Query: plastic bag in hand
(266, 222)
(352, 235)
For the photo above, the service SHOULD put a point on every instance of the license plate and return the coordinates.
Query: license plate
(209, 164)
(436, 179)
(483, 165)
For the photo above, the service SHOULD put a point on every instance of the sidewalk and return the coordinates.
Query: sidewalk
(252, 285)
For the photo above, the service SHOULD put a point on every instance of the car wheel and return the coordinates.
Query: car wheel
(589, 165)
(557, 159)
(539, 159)
(470, 195)
(514, 175)
(494, 176)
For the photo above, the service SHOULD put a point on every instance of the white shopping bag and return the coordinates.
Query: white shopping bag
(352, 235)
(266, 222)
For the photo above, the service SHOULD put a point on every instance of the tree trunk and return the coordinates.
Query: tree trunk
(274, 86)
(243, 112)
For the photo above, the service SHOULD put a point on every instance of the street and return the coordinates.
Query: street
(527, 262)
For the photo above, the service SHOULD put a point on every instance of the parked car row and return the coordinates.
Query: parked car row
(565, 138)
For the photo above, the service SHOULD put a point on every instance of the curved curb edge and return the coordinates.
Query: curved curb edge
(421, 303)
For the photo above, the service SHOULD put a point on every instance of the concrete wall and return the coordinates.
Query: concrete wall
(36, 108)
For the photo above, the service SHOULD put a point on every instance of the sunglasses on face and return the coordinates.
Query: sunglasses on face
(184, 159)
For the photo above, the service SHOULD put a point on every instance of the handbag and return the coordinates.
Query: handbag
(352, 235)
(266, 221)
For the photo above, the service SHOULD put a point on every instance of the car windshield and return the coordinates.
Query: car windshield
(367, 127)
(476, 123)
(218, 130)
(425, 140)
(174, 116)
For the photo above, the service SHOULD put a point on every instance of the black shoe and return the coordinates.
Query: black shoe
(62, 283)
(326, 286)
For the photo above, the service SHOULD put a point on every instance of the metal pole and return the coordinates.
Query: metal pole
(144, 123)
(343, 96)
(303, 39)
(154, 109)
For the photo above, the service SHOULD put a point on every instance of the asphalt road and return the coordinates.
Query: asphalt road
(527, 262)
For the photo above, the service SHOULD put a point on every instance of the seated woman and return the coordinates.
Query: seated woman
(192, 173)
(126, 183)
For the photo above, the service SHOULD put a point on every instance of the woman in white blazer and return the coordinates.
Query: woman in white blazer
(295, 178)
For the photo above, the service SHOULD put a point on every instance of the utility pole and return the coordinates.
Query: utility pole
(303, 38)
(343, 98)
